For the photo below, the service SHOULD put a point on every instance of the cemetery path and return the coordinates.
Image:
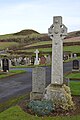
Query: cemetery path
(15, 85)
(67, 67)
(20, 84)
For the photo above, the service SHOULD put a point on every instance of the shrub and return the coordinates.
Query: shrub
(41, 108)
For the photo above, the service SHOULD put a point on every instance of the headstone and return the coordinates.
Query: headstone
(32, 60)
(5, 65)
(48, 59)
(38, 83)
(28, 61)
(10, 63)
(15, 61)
(19, 60)
(75, 65)
(25, 61)
(75, 55)
(71, 55)
(36, 59)
(42, 60)
(1, 63)
(56, 90)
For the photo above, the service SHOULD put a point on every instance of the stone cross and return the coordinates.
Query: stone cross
(57, 33)
(36, 59)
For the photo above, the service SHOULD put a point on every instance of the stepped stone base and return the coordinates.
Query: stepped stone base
(60, 95)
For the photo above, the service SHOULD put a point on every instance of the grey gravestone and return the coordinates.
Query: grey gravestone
(10, 63)
(27, 61)
(5, 64)
(32, 60)
(75, 55)
(48, 59)
(75, 65)
(38, 83)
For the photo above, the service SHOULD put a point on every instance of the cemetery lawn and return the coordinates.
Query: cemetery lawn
(16, 113)
(73, 75)
(11, 72)
(13, 101)
(75, 87)
(74, 83)
(73, 49)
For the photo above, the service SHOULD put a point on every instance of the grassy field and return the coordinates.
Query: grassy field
(75, 87)
(13, 101)
(11, 72)
(33, 50)
(73, 75)
(8, 36)
(41, 43)
(73, 49)
(16, 113)
(4, 45)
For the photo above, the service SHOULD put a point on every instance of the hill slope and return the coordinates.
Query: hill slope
(30, 39)
(26, 32)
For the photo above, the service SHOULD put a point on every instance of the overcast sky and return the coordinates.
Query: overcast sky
(16, 15)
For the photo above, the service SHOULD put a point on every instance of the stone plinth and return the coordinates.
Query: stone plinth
(60, 95)
(36, 96)
(38, 83)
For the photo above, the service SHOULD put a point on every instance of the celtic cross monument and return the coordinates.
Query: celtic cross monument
(57, 33)
(56, 91)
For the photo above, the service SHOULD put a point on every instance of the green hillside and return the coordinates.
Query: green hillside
(26, 41)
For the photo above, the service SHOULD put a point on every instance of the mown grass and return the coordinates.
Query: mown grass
(73, 75)
(73, 49)
(16, 113)
(12, 101)
(75, 87)
(11, 72)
